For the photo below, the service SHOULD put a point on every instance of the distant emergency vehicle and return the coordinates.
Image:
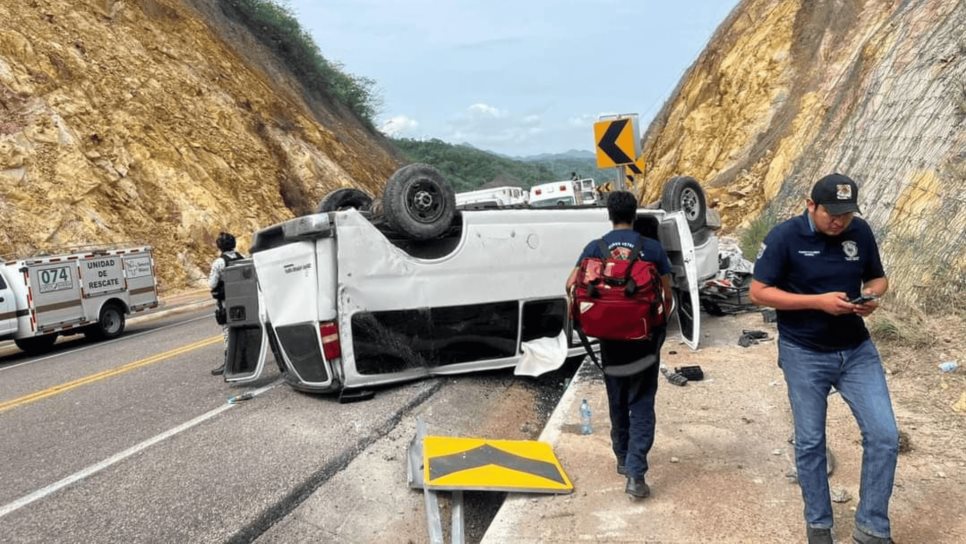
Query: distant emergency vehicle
(44, 297)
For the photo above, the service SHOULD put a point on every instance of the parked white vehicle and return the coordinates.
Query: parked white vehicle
(347, 302)
(564, 193)
(496, 197)
(88, 291)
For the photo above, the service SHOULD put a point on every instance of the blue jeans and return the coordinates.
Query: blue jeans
(857, 374)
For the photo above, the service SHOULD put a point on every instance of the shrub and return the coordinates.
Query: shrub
(277, 28)
(754, 235)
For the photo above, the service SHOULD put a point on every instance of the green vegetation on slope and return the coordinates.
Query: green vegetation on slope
(278, 29)
(468, 168)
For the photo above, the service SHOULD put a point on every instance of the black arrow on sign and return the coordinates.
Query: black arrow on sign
(486, 454)
(608, 142)
(633, 168)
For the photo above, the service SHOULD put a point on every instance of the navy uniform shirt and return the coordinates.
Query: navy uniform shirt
(620, 242)
(798, 259)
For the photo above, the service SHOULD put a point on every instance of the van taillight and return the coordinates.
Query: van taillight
(563, 187)
(537, 192)
(331, 348)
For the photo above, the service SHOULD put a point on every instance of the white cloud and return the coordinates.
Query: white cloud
(485, 110)
(489, 127)
(398, 126)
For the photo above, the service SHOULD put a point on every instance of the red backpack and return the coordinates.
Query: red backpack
(618, 299)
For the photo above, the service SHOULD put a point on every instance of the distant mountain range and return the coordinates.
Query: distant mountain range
(468, 167)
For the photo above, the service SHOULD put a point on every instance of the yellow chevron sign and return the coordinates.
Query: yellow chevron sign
(617, 141)
(478, 464)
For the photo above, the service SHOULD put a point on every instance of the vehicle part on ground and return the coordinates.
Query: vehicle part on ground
(684, 193)
(419, 202)
(344, 199)
(35, 345)
(109, 325)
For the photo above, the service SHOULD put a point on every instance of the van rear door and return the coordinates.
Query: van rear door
(247, 338)
(8, 306)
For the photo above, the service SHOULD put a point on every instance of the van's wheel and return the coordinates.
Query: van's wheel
(685, 194)
(109, 325)
(418, 202)
(344, 199)
(36, 345)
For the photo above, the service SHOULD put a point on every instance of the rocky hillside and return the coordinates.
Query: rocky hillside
(789, 90)
(160, 122)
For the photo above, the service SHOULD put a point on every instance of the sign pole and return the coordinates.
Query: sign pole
(621, 169)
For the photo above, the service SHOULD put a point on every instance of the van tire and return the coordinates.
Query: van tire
(343, 199)
(684, 193)
(418, 202)
(35, 345)
(110, 324)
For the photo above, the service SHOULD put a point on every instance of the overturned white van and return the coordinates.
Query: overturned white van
(347, 302)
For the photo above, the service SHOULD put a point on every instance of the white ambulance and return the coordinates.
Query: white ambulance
(564, 193)
(348, 301)
(87, 292)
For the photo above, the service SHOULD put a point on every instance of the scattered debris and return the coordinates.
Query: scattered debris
(693, 373)
(776, 451)
(674, 459)
(673, 377)
(727, 292)
(905, 443)
(748, 338)
(840, 495)
(948, 366)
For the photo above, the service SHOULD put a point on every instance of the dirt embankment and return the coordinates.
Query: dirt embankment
(142, 121)
(788, 91)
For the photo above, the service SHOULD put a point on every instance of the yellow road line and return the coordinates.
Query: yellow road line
(64, 387)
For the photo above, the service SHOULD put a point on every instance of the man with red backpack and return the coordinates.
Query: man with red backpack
(630, 365)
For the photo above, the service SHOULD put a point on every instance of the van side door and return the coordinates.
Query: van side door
(675, 236)
(247, 338)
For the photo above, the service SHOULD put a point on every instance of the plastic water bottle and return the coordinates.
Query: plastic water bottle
(948, 366)
(585, 427)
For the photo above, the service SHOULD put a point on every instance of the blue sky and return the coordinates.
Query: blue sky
(517, 77)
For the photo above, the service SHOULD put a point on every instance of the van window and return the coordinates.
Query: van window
(3, 284)
(543, 318)
(397, 340)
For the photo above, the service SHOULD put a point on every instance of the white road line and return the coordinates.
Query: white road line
(93, 469)
(109, 342)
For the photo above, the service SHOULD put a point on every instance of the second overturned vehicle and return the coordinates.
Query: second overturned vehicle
(349, 298)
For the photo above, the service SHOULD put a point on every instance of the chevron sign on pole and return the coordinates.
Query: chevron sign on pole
(617, 141)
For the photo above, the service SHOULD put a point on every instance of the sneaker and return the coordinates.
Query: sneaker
(637, 488)
(218, 371)
(861, 537)
(621, 469)
(818, 536)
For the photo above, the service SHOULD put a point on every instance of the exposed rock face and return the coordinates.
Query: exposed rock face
(136, 121)
(790, 90)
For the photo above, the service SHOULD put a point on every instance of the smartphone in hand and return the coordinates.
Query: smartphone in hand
(862, 299)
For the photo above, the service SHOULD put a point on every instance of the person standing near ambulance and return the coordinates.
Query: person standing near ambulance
(814, 269)
(226, 244)
(631, 366)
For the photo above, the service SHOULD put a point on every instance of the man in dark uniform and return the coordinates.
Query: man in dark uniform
(631, 367)
(812, 269)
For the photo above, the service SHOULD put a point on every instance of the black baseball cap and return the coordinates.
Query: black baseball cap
(838, 193)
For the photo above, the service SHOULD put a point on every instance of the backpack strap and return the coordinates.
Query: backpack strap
(629, 286)
(587, 348)
(604, 250)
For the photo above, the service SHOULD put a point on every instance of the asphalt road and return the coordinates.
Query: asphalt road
(132, 440)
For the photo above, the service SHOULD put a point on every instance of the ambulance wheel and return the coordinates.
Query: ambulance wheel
(109, 325)
(418, 202)
(683, 193)
(344, 199)
(36, 344)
